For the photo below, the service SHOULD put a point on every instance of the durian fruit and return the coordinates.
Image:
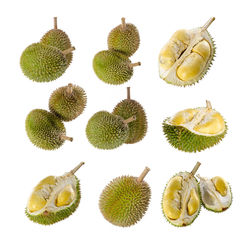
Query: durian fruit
(45, 130)
(193, 130)
(107, 131)
(59, 39)
(215, 193)
(44, 63)
(124, 38)
(187, 57)
(181, 201)
(128, 108)
(113, 67)
(54, 198)
(68, 102)
(125, 200)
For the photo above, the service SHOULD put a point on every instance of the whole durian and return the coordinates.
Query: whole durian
(113, 67)
(45, 130)
(181, 200)
(128, 108)
(125, 200)
(59, 39)
(68, 102)
(124, 38)
(193, 130)
(187, 57)
(107, 131)
(54, 198)
(44, 63)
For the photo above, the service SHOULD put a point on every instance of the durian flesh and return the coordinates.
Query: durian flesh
(215, 193)
(187, 56)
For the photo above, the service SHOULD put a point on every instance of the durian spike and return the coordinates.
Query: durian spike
(130, 119)
(55, 23)
(207, 24)
(128, 93)
(123, 23)
(132, 65)
(143, 174)
(209, 105)
(67, 51)
(64, 137)
(196, 167)
(69, 88)
(76, 168)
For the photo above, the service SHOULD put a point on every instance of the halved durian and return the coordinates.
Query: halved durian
(54, 198)
(215, 193)
(181, 201)
(187, 56)
(196, 129)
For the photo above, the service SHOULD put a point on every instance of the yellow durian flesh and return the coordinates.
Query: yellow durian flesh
(36, 202)
(66, 196)
(220, 185)
(193, 203)
(50, 180)
(183, 116)
(203, 49)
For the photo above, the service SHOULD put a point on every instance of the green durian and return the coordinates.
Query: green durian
(125, 200)
(113, 67)
(107, 131)
(54, 198)
(124, 38)
(193, 130)
(187, 57)
(45, 130)
(128, 108)
(44, 63)
(181, 200)
(68, 102)
(59, 39)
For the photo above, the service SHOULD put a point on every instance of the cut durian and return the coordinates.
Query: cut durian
(54, 198)
(187, 57)
(181, 201)
(193, 130)
(216, 193)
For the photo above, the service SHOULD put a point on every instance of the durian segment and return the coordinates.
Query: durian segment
(220, 185)
(36, 202)
(183, 116)
(66, 196)
(50, 180)
(193, 203)
(203, 49)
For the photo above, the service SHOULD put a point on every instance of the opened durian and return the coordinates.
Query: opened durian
(187, 57)
(193, 130)
(124, 38)
(45, 130)
(68, 102)
(107, 131)
(216, 193)
(125, 200)
(54, 198)
(113, 67)
(181, 201)
(128, 108)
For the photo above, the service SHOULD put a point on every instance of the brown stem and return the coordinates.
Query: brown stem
(128, 93)
(123, 23)
(209, 105)
(130, 119)
(69, 88)
(77, 167)
(55, 23)
(67, 51)
(143, 174)
(197, 165)
(131, 65)
(66, 138)
(208, 23)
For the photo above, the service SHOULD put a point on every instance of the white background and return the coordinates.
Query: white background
(87, 23)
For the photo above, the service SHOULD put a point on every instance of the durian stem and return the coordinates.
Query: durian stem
(196, 167)
(55, 23)
(67, 51)
(77, 167)
(66, 138)
(69, 89)
(143, 174)
(208, 23)
(130, 119)
(209, 105)
(123, 23)
(128, 93)
(132, 65)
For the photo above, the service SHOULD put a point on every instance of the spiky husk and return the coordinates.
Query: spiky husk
(126, 41)
(44, 129)
(50, 218)
(68, 106)
(138, 128)
(42, 63)
(59, 39)
(112, 67)
(124, 201)
(185, 140)
(106, 131)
